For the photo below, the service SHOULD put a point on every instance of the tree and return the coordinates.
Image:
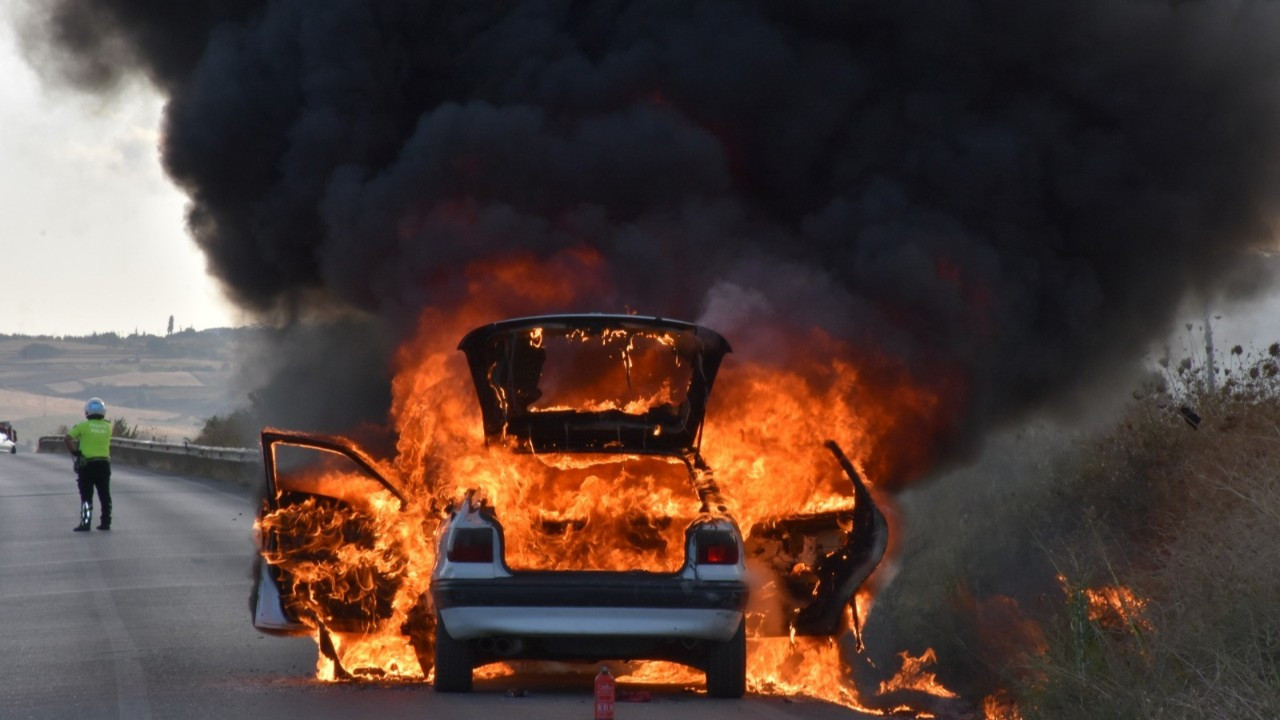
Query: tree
(236, 430)
(170, 330)
(120, 428)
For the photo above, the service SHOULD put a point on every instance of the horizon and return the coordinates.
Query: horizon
(125, 335)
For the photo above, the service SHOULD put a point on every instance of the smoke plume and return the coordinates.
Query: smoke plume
(1013, 196)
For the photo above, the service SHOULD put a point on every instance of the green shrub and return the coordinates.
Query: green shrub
(239, 429)
(120, 428)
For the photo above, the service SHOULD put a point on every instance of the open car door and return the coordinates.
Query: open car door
(328, 558)
(819, 560)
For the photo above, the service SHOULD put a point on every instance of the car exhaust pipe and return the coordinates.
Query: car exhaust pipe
(504, 646)
(507, 646)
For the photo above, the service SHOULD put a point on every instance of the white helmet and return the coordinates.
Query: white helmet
(95, 407)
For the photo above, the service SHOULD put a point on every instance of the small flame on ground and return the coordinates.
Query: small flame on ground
(914, 676)
(1117, 605)
(1000, 707)
(1113, 607)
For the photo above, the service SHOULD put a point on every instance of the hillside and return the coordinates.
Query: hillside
(165, 386)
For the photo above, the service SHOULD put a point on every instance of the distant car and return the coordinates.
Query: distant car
(8, 437)
(611, 401)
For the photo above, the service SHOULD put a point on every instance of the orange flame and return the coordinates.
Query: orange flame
(1117, 607)
(1000, 707)
(913, 676)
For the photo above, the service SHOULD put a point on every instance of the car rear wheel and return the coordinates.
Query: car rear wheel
(454, 660)
(727, 666)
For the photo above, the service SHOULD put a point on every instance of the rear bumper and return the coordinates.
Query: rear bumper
(590, 604)
(468, 623)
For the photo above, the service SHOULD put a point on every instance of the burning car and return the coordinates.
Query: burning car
(584, 526)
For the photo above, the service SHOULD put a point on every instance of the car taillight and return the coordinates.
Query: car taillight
(472, 545)
(717, 548)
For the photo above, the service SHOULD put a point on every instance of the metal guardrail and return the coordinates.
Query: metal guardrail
(201, 451)
(239, 465)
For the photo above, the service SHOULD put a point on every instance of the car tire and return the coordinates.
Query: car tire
(454, 659)
(727, 666)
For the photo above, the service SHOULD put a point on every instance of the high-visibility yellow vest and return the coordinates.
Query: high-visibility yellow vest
(94, 436)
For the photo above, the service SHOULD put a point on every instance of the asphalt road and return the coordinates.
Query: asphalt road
(151, 620)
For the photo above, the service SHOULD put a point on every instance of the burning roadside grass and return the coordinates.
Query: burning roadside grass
(1130, 572)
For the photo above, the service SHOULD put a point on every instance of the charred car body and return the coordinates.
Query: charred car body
(613, 401)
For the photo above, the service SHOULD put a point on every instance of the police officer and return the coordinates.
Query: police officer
(90, 443)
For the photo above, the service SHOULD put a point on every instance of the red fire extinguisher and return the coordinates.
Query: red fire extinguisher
(605, 694)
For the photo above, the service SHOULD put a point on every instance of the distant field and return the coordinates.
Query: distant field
(36, 415)
(166, 386)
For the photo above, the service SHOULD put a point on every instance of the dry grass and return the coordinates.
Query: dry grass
(1203, 551)
(1186, 517)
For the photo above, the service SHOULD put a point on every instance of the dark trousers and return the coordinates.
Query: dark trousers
(96, 474)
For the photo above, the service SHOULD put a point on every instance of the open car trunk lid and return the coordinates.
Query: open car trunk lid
(594, 383)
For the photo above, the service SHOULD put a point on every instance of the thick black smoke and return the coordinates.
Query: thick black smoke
(1023, 190)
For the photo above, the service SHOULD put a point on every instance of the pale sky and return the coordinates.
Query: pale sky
(92, 232)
